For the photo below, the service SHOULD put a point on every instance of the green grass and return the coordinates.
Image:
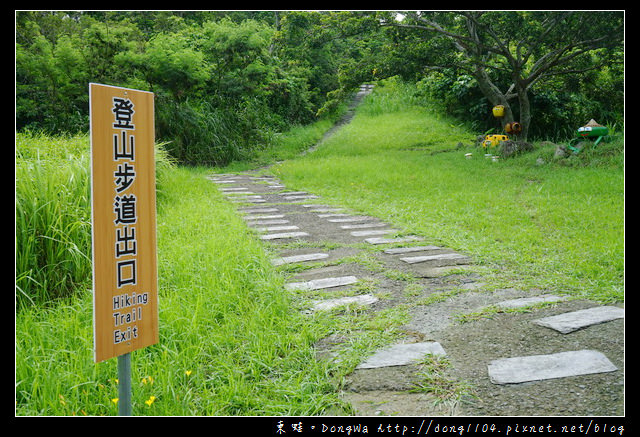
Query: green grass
(53, 216)
(558, 226)
(289, 144)
(230, 342)
(432, 378)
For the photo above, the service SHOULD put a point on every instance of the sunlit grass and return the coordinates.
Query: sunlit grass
(552, 226)
(230, 342)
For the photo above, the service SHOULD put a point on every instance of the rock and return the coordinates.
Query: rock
(561, 152)
(510, 148)
(402, 354)
(540, 367)
(569, 322)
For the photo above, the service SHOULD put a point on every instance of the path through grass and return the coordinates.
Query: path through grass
(548, 226)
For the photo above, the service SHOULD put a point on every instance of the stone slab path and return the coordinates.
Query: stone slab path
(569, 322)
(540, 367)
(585, 355)
(402, 354)
(533, 353)
(318, 284)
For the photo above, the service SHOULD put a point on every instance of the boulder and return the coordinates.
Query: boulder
(561, 151)
(510, 148)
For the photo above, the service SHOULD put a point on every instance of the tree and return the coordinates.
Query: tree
(507, 53)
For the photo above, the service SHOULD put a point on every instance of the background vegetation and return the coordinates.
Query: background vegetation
(227, 83)
(224, 86)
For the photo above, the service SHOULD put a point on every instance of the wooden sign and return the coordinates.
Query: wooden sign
(125, 295)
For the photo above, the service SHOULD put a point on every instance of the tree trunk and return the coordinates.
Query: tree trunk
(525, 112)
(493, 94)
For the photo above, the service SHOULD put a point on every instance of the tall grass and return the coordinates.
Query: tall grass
(215, 134)
(230, 342)
(53, 215)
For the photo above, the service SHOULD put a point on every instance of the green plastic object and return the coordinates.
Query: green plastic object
(589, 132)
(592, 131)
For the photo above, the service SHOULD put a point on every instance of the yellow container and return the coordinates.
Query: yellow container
(498, 111)
(493, 140)
(513, 127)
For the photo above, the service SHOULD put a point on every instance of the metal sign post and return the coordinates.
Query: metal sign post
(124, 385)
(125, 297)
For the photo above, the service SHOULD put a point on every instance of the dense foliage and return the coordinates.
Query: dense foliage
(227, 83)
(551, 70)
(224, 83)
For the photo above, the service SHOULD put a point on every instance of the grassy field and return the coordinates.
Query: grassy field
(231, 340)
(230, 343)
(557, 226)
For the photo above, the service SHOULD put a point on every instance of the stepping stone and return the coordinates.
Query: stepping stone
(283, 235)
(225, 190)
(391, 240)
(308, 196)
(541, 367)
(569, 322)
(264, 217)
(292, 193)
(258, 210)
(364, 226)
(444, 257)
(269, 222)
(400, 250)
(368, 233)
(364, 299)
(329, 215)
(224, 181)
(350, 220)
(318, 284)
(277, 228)
(528, 301)
(249, 199)
(299, 258)
(427, 271)
(329, 210)
(402, 354)
(243, 195)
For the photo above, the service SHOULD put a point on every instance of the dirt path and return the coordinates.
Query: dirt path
(439, 365)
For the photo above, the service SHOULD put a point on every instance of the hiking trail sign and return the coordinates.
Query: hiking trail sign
(125, 283)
